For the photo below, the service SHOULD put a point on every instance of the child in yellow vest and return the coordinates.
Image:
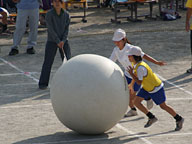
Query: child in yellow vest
(151, 86)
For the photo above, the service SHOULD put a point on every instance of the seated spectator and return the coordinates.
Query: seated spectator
(4, 13)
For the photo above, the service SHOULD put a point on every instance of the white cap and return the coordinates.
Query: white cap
(135, 50)
(119, 35)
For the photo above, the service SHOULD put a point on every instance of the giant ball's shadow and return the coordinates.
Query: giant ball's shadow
(73, 137)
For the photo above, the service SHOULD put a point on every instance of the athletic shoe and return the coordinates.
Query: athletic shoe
(30, 50)
(42, 87)
(13, 51)
(150, 122)
(149, 104)
(179, 124)
(189, 70)
(131, 113)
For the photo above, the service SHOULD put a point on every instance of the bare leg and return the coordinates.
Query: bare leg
(139, 105)
(132, 111)
(131, 101)
(168, 109)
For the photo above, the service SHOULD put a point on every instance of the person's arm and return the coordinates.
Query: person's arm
(149, 58)
(113, 56)
(135, 78)
(188, 16)
(65, 35)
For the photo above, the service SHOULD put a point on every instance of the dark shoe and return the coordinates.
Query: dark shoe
(42, 87)
(13, 52)
(189, 70)
(150, 122)
(179, 124)
(31, 51)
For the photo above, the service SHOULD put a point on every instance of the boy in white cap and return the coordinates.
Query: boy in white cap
(151, 86)
(119, 53)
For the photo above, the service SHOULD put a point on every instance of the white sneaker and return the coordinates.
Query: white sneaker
(149, 104)
(131, 113)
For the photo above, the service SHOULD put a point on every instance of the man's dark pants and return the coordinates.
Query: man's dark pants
(50, 52)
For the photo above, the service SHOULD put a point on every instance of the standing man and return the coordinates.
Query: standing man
(57, 22)
(27, 10)
(188, 27)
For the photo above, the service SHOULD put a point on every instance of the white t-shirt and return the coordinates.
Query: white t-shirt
(121, 56)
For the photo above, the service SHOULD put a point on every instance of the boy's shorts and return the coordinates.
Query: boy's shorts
(136, 86)
(158, 97)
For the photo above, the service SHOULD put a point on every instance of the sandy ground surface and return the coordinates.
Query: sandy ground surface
(26, 113)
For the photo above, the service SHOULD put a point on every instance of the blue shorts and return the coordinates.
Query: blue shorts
(136, 86)
(158, 97)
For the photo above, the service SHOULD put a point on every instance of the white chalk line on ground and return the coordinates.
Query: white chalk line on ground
(15, 74)
(35, 94)
(130, 132)
(24, 106)
(17, 84)
(186, 91)
(20, 70)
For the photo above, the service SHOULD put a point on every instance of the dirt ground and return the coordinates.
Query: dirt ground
(26, 113)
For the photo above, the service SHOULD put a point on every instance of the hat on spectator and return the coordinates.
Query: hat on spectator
(135, 50)
(119, 35)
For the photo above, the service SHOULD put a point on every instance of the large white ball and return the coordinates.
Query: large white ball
(89, 94)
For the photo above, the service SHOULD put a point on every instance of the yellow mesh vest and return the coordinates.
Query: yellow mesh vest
(151, 80)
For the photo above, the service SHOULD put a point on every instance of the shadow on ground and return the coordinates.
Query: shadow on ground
(72, 137)
(178, 80)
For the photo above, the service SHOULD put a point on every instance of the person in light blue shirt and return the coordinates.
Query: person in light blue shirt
(27, 10)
